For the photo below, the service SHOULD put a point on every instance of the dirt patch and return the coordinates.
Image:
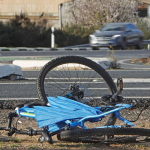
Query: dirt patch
(25, 142)
(21, 142)
(145, 61)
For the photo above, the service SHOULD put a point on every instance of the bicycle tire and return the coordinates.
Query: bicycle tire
(50, 71)
(85, 134)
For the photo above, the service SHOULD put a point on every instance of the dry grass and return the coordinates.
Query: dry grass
(31, 143)
(145, 61)
(25, 142)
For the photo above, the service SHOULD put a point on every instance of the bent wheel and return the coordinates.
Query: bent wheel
(65, 74)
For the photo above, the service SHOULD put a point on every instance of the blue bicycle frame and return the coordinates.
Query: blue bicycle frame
(29, 112)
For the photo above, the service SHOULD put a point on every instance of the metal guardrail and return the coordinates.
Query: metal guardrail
(145, 42)
(83, 45)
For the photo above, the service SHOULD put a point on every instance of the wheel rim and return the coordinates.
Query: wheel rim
(58, 80)
(86, 94)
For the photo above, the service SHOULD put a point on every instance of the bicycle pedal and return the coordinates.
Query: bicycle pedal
(41, 139)
(47, 136)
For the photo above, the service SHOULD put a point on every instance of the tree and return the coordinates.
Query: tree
(99, 12)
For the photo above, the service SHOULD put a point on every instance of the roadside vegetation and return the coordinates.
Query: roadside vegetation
(145, 61)
(87, 16)
(113, 64)
(22, 32)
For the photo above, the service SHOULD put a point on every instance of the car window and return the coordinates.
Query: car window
(113, 28)
(131, 27)
(128, 27)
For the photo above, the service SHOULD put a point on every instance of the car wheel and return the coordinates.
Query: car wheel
(123, 45)
(115, 47)
(140, 44)
(95, 48)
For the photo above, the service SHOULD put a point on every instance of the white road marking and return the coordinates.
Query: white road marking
(134, 80)
(98, 80)
(18, 99)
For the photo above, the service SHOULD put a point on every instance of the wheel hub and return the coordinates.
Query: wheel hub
(84, 94)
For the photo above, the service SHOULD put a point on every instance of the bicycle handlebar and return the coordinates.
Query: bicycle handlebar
(30, 132)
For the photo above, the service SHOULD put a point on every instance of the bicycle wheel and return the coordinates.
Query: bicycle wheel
(64, 74)
(94, 135)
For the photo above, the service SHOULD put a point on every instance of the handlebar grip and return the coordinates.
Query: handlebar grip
(2, 128)
(21, 132)
(30, 132)
(37, 132)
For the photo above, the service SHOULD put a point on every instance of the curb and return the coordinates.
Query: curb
(128, 65)
(14, 68)
(71, 48)
(43, 49)
(48, 49)
(38, 64)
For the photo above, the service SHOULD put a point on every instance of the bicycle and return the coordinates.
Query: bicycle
(66, 114)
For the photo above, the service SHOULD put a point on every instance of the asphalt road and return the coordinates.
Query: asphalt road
(136, 85)
(136, 77)
(119, 54)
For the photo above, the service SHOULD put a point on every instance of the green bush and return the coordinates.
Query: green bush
(21, 32)
(72, 35)
(144, 26)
